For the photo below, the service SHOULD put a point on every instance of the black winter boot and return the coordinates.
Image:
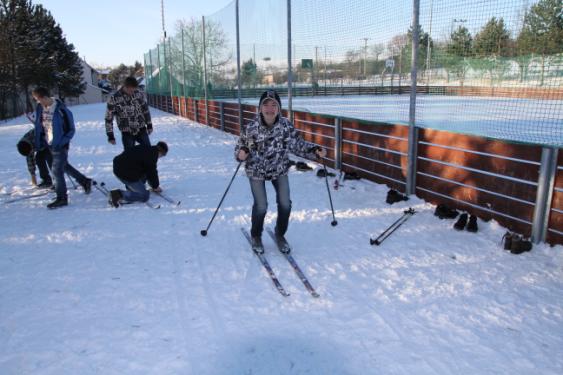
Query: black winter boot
(57, 203)
(461, 222)
(507, 238)
(444, 212)
(87, 186)
(114, 197)
(45, 184)
(472, 225)
(282, 243)
(393, 196)
(520, 245)
(257, 245)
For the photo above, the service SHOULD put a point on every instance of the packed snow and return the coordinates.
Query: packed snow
(90, 289)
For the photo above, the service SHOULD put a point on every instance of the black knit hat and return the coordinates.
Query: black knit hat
(162, 147)
(24, 148)
(270, 94)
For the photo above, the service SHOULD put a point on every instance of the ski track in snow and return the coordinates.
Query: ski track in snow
(89, 289)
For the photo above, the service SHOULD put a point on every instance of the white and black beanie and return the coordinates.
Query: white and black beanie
(269, 94)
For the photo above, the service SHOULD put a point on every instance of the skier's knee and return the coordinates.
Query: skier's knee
(260, 208)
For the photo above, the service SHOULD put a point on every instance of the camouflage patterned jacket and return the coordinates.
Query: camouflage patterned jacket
(269, 147)
(131, 113)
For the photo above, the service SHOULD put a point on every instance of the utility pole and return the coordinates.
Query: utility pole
(428, 51)
(315, 69)
(365, 54)
(169, 52)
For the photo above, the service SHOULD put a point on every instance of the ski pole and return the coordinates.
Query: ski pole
(167, 199)
(74, 186)
(203, 232)
(334, 222)
(95, 184)
(103, 185)
(393, 227)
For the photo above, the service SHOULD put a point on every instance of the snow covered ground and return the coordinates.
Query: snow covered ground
(89, 289)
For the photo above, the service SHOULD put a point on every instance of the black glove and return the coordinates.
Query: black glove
(314, 149)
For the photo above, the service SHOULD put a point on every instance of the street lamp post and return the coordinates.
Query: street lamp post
(365, 54)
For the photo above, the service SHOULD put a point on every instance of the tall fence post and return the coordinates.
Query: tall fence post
(196, 114)
(239, 93)
(413, 133)
(546, 181)
(338, 143)
(184, 75)
(205, 71)
(159, 70)
(222, 114)
(289, 70)
(170, 75)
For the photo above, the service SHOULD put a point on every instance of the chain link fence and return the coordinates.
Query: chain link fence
(488, 68)
(464, 107)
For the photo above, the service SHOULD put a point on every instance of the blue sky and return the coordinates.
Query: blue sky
(122, 31)
(108, 33)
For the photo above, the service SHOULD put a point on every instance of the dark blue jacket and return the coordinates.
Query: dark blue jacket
(63, 126)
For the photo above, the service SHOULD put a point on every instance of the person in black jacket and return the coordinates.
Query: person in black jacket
(36, 159)
(134, 167)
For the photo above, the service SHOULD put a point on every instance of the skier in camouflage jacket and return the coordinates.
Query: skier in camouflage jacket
(129, 107)
(264, 145)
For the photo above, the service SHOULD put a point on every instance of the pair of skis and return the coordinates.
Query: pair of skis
(36, 194)
(291, 261)
(101, 187)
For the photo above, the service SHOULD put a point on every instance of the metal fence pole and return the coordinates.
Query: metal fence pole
(145, 72)
(150, 84)
(289, 70)
(238, 68)
(222, 114)
(544, 196)
(205, 70)
(159, 71)
(413, 131)
(170, 74)
(338, 143)
(184, 75)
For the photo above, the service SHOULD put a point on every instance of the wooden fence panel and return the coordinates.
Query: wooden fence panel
(376, 151)
(214, 114)
(488, 178)
(317, 129)
(555, 222)
(231, 116)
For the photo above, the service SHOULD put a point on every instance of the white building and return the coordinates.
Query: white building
(93, 93)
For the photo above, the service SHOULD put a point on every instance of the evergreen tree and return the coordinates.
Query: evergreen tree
(456, 52)
(119, 73)
(35, 52)
(492, 46)
(542, 32)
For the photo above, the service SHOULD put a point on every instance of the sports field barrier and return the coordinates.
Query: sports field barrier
(493, 179)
